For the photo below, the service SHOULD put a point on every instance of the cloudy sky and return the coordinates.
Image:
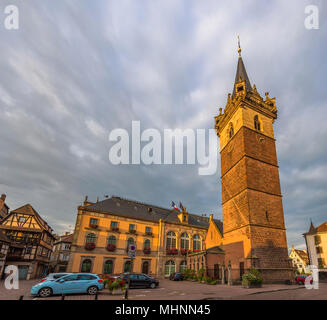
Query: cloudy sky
(75, 70)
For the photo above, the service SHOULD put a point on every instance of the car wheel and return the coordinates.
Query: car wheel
(45, 292)
(152, 285)
(92, 290)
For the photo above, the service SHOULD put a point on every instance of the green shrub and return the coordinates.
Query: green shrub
(252, 277)
(213, 282)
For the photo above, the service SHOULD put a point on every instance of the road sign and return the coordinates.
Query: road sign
(132, 250)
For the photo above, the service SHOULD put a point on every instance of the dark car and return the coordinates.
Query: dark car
(301, 279)
(177, 276)
(140, 280)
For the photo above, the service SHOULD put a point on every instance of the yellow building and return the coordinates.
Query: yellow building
(163, 237)
(300, 260)
(316, 241)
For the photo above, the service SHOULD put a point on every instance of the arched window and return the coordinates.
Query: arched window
(147, 244)
(170, 268)
(86, 265)
(231, 130)
(108, 267)
(185, 242)
(112, 240)
(90, 238)
(171, 240)
(127, 266)
(257, 124)
(183, 266)
(196, 242)
(145, 267)
(129, 242)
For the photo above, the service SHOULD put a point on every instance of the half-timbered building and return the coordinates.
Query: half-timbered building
(31, 242)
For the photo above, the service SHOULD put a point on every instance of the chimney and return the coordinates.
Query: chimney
(3, 197)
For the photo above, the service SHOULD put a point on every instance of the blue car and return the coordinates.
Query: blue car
(74, 283)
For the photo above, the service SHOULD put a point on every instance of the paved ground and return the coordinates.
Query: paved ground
(186, 290)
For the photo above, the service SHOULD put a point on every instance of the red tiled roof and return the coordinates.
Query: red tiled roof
(322, 227)
(303, 255)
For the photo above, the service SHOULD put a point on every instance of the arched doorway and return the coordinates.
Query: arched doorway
(145, 267)
(170, 268)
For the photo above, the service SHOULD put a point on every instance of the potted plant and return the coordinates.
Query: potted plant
(132, 231)
(111, 247)
(184, 252)
(252, 279)
(172, 251)
(115, 229)
(89, 245)
(147, 250)
(93, 225)
(148, 233)
(114, 285)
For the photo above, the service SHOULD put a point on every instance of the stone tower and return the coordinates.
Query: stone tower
(253, 219)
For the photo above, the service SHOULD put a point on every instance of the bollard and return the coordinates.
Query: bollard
(21, 298)
(96, 296)
(62, 297)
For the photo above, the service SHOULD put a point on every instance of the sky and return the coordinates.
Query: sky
(76, 70)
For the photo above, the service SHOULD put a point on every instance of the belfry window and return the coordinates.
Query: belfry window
(257, 124)
(231, 130)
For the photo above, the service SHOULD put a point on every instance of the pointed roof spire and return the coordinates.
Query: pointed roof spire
(241, 72)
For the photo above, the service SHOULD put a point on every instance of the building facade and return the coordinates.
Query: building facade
(300, 260)
(61, 253)
(163, 238)
(4, 248)
(253, 218)
(31, 242)
(316, 241)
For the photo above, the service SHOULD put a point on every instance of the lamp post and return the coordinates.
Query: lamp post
(131, 254)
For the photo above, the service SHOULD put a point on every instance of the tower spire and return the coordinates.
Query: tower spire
(239, 46)
(241, 71)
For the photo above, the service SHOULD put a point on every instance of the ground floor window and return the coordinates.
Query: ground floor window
(127, 266)
(86, 265)
(108, 267)
(170, 268)
(145, 267)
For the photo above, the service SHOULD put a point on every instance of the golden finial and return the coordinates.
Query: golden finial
(239, 45)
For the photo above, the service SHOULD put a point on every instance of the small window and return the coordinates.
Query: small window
(148, 230)
(112, 240)
(132, 227)
(93, 222)
(22, 219)
(231, 130)
(257, 124)
(114, 225)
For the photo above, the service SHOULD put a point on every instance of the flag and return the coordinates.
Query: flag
(181, 206)
(174, 206)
